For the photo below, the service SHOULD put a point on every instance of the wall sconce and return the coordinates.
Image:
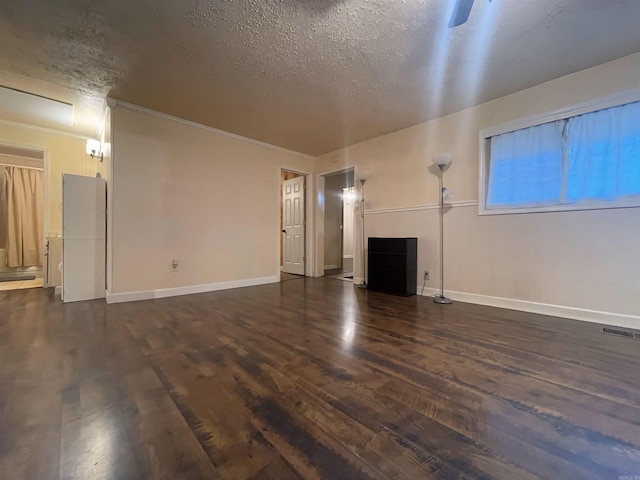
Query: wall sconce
(94, 149)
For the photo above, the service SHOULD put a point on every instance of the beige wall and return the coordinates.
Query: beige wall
(586, 260)
(66, 155)
(207, 199)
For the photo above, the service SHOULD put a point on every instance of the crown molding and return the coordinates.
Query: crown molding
(115, 103)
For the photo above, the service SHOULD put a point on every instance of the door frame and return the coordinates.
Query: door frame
(309, 229)
(319, 220)
(45, 200)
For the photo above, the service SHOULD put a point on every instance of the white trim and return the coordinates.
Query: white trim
(594, 316)
(608, 101)
(561, 208)
(58, 290)
(330, 267)
(113, 103)
(320, 217)
(347, 256)
(43, 129)
(101, 126)
(319, 204)
(188, 290)
(110, 190)
(469, 203)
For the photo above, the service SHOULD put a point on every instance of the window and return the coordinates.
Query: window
(590, 160)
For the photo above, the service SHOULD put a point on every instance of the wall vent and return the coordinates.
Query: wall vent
(621, 332)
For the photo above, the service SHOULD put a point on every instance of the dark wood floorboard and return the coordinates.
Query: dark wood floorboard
(310, 379)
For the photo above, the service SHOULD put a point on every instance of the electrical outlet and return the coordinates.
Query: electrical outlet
(426, 275)
(174, 265)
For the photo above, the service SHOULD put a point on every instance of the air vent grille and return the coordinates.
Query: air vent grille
(621, 332)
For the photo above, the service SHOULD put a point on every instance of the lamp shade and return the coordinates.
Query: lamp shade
(442, 159)
(447, 194)
(93, 146)
(363, 176)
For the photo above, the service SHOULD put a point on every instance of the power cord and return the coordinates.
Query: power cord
(423, 285)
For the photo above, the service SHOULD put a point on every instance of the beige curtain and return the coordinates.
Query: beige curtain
(25, 214)
(3, 210)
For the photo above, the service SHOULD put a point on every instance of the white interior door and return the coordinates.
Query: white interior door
(83, 237)
(293, 225)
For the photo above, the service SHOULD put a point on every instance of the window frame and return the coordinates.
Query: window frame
(602, 103)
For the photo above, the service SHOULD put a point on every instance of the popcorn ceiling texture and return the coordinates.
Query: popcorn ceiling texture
(311, 76)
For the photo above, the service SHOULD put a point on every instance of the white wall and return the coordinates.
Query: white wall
(576, 261)
(207, 199)
(67, 154)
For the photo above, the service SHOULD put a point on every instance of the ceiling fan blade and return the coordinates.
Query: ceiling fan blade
(461, 12)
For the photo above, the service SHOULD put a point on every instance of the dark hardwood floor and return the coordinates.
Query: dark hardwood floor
(310, 379)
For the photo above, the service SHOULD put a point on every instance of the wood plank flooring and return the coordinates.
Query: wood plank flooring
(310, 379)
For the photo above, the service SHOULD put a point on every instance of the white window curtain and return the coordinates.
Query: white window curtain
(526, 167)
(604, 154)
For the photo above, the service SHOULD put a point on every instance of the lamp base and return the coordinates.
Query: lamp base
(441, 299)
(362, 285)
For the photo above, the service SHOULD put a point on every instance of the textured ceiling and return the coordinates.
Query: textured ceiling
(311, 76)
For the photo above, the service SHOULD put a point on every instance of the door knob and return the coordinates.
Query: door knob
(284, 231)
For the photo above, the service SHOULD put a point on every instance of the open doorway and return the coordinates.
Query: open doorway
(339, 227)
(292, 225)
(22, 218)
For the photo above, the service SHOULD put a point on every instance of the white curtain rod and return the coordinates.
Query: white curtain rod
(20, 166)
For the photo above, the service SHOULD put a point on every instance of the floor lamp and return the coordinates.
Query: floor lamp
(362, 178)
(442, 160)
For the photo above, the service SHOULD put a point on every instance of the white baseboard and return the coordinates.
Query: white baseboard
(330, 267)
(188, 290)
(595, 316)
(58, 290)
